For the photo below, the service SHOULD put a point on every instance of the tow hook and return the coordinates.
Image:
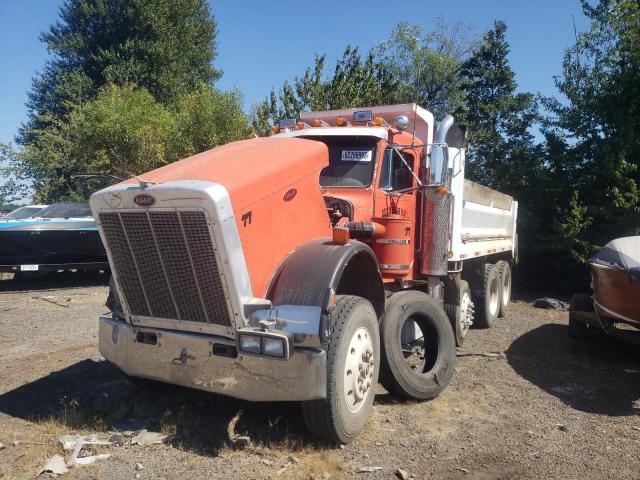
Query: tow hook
(182, 359)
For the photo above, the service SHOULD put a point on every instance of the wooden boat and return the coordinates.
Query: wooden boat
(615, 272)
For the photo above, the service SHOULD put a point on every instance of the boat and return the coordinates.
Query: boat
(615, 273)
(62, 236)
(27, 211)
(615, 304)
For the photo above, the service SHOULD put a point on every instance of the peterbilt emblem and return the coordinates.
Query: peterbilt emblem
(112, 199)
(144, 200)
(290, 194)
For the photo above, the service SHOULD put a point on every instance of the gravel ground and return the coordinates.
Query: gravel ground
(550, 407)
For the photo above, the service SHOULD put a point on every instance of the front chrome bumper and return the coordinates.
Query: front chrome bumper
(187, 359)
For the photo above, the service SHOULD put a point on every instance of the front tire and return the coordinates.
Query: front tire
(416, 362)
(353, 363)
(578, 328)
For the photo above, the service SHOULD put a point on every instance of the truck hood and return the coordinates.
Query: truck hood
(248, 167)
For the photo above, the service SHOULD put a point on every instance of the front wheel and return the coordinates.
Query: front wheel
(353, 363)
(418, 346)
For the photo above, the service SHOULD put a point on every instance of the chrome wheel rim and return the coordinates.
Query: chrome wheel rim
(494, 298)
(506, 287)
(358, 370)
(466, 313)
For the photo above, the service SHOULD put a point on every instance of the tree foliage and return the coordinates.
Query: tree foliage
(410, 66)
(164, 46)
(128, 88)
(593, 152)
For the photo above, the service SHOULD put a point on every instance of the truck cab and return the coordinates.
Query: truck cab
(344, 249)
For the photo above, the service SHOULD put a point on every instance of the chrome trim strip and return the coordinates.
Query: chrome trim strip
(393, 241)
(393, 266)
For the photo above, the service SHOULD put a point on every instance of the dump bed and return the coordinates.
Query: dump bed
(483, 220)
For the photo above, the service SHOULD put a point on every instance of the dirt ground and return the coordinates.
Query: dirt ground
(550, 407)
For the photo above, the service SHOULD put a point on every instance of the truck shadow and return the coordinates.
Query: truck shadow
(598, 374)
(93, 396)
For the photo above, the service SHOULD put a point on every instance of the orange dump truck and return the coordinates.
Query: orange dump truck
(344, 249)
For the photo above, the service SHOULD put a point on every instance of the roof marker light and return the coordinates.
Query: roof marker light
(341, 122)
(275, 129)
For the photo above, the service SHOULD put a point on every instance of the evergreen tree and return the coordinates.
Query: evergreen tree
(164, 46)
(410, 66)
(129, 87)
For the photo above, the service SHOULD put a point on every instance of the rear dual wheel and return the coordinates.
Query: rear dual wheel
(461, 315)
(504, 270)
(491, 297)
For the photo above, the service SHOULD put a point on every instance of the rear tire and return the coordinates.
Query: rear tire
(490, 298)
(578, 328)
(504, 270)
(353, 364)
(420, 368)
(461, 315)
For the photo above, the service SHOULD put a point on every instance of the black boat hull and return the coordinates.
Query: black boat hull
(21, 250)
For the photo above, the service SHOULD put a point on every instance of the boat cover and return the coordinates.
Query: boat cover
(620, 254)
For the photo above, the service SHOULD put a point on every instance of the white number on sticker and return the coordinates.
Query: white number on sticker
(356, 155)
(28, 268)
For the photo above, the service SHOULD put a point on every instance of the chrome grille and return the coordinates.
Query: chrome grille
(166, 265)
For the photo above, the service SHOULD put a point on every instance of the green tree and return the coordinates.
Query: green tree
(499, 119)
(410, 66)
(592, 134)
(206, 118)
(128, 88)
(124, 131)
(165, 46)
(356, 81)
(425, 65)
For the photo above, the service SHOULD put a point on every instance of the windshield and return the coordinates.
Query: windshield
(23, 212)
(66, 210)
(351, 161)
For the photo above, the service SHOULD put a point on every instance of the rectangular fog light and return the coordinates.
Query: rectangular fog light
(273, 346)
(249, 343)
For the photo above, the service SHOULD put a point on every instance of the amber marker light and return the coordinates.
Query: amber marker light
(300, 125)
(341, 121)
(340, 235)
(441, 190)
(317, 122)
(378, 121)
(275, 129)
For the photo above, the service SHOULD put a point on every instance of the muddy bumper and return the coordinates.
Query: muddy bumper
(188, 359)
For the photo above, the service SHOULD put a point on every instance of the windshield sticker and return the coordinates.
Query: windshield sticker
(356, 155)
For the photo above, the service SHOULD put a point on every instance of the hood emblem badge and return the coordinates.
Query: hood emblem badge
(144, 200)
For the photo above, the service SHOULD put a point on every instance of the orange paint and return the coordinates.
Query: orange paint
(272, 220)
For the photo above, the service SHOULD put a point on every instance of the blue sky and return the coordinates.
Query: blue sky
(262, 43)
